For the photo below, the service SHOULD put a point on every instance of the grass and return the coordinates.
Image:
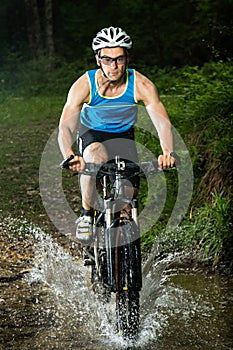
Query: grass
(26, 125)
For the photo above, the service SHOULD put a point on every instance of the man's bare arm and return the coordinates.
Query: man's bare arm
(77, 96)
(147, 92)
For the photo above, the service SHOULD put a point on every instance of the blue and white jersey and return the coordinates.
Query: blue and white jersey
(110, 114)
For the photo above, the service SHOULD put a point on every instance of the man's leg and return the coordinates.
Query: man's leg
(94, 153)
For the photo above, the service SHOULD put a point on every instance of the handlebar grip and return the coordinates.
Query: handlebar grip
(65, 163)
(176, 157)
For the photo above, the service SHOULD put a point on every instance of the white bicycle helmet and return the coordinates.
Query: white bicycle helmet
(111, 37)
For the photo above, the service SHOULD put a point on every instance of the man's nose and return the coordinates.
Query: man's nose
(114, 63)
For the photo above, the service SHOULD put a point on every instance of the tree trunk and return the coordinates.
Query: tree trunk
(50, 48)
(34, 28)
(214, 26)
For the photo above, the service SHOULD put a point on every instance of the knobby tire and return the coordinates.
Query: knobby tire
(127, 310)
(127, 294)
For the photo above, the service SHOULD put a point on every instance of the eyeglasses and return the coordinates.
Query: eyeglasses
(108, 60)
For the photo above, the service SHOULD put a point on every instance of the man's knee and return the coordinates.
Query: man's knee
(95, 153)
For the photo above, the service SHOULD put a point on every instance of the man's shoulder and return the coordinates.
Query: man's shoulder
(82, 83)
(144, 87)
(143, 80)
(81, 79)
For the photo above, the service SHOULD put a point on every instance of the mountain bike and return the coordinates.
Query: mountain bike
(114, 254)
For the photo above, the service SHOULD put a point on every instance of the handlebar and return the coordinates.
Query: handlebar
(126, 168)
(142, 169)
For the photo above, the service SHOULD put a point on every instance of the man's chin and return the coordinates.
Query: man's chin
(115, 77)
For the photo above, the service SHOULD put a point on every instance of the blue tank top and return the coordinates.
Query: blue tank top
(110, 114)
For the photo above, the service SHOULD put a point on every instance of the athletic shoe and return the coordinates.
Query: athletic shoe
(84, 229)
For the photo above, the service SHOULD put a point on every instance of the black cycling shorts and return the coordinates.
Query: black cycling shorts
(121, 144)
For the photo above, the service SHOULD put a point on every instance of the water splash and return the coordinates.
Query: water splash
(179, 308)
(69, 282)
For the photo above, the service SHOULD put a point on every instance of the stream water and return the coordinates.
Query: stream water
(54, 308)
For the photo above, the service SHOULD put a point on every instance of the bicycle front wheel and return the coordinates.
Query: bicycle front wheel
(99, 277)
(128, 280)
(127, 310)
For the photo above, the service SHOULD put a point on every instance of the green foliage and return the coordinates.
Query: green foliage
(43, 77)
(208, 231)
(199, 102)
(215, 227)
(209, 88)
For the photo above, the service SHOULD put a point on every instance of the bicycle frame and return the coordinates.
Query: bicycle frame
(113, 219)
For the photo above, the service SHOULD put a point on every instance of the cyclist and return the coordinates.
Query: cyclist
(102, 103)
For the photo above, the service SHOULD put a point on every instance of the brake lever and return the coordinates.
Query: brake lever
(65, 163)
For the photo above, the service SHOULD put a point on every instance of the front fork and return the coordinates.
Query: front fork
(113, 221)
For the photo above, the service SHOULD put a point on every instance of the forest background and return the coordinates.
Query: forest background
(184, 47)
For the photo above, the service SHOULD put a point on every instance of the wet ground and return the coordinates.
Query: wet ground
(46, 303)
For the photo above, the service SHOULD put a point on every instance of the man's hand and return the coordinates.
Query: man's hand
(168, 160)
(77, 164)
(73, 162)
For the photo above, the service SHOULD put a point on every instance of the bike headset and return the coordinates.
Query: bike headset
(111, 37)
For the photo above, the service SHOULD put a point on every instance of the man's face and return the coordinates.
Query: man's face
(113, 69)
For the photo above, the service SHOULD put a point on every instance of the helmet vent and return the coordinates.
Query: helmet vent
(111, 37)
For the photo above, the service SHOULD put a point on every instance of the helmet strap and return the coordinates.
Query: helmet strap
(113, 81)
